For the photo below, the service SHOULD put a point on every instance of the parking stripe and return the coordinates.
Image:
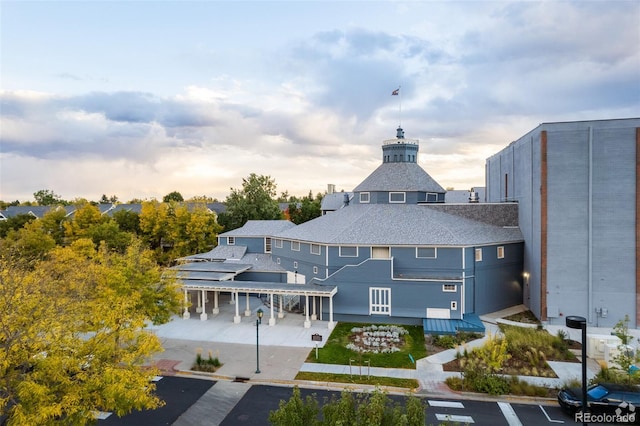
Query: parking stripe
(509, 414)
(453, 418)
(448, 404)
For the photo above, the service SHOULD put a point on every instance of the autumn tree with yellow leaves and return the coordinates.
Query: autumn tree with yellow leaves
(72, 332)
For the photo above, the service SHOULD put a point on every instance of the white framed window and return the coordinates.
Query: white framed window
(315, 249)
(267, 245)
(364, 197)
(379, 301)
(231, 241)
(278, 261)
(295, 245)
(454, 305)
(397, 197)
(295, 265)
(348, 251)
(449, 288)
(315, 269)
(500, 252)
(478, 255)
(426, 252)
(278, 243)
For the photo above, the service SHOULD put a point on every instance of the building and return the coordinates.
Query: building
(577, 185)
(392, 251)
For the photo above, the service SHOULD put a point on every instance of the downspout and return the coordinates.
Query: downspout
(464, 281)
(590, 238)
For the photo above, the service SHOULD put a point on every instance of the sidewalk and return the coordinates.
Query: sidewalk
(283, 350)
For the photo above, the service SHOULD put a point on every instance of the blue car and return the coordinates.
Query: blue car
(606, 403)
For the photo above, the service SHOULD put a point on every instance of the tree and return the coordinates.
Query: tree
(72, 338)
(86, 216)
(349, 410)
(626, 356)
(108, 200)
(255, 201)
(46, 197)
(308, 208)
(14, 223)
(127, 221)
(31, 242)
(173, 196)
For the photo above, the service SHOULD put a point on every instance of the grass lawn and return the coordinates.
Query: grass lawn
(335, 349)
(355, 379)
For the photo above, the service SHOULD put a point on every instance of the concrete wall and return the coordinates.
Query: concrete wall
(578, 216)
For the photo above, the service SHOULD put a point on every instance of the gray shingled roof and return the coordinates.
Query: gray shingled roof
(259, 228)
(401, 224)
(220, 253)
(334, 201)
(399, 177)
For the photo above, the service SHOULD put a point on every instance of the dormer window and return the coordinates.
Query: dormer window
(397, 197)
(364, 197)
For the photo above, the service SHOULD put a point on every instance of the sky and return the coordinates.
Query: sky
(141, 98)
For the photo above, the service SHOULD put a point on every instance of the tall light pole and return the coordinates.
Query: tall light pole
(581, 323)
(258, 322)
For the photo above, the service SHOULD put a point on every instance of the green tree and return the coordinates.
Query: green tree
(173, 196)
(626, 356)
(46, 197)
(349, 410)
(85, 217)
(72, 338)
(127, 221)
(30, 242)
(52, 223)
(14, 223)
(255, 201)
(306, 209)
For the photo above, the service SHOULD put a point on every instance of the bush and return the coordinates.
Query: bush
(211, 364)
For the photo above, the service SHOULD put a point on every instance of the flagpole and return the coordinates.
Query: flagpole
(400, 113)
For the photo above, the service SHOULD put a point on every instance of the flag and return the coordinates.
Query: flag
(395, 92)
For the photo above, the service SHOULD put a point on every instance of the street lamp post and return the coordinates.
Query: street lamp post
(258, 322)
(581, 324)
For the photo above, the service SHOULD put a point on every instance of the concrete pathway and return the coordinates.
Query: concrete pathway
(283, 350)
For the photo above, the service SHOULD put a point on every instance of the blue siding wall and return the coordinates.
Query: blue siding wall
(447, 264)
(498, 282)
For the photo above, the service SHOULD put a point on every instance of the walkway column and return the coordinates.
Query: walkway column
(186, 314)
(313, 302)
(307, 323)
(216, 308)
(199, 307)
(272, 320)
(233, 298)
(281, 313)
(331, 323)
(236, 319)
(203, 315)
(247, 310)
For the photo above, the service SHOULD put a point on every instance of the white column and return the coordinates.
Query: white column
(247, 310)
(272, 320)
(236, 319)
(186, 314)
(313, 315)
(321, 298)
(216, 308)
(233, 298)
(199, 307)
(307, 323)
(281, 313)
(331, 323)
(203, 315)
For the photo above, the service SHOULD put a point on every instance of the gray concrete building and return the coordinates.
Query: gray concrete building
(577, 185)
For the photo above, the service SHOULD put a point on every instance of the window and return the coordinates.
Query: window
(267, 245)
(278, 243)
(396, 197)
(478, 255)
(315, 249)
(315, 269)
(450, 288)
(364, 197)
(501, 252)
(432, 197)
(231, 240)
(278, 261)
(426, 252)
(295, 265)
(379, 301)
(295, 245)
(348, 251)
(454, 305)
